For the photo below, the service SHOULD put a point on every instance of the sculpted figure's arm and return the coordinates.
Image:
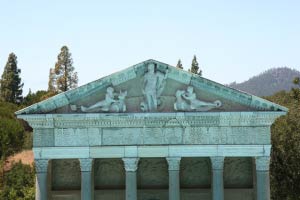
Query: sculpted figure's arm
(189, 97)
(109, 98)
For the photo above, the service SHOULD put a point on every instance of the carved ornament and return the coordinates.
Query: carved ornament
(174, 163)
(41, 165)
(217, 162)
(262, 163)
(86, 164)
(130, 164)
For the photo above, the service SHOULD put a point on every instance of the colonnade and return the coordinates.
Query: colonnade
(131, 166)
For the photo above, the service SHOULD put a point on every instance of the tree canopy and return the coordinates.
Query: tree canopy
(285, 154)
(179, 64)
(195, 67)
(10, 84)
(65, 76)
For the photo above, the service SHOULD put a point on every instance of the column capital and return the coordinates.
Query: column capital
(41, 165)
(130, 164)
(262, 163)
(217, 162)
(173, 163)
(86, 164)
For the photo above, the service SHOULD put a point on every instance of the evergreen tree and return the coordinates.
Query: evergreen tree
(179, 64)
(52, 81)
(10, 84)
(66, 78)
(195, 67)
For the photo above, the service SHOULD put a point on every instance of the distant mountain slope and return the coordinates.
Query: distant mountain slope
(268, 82)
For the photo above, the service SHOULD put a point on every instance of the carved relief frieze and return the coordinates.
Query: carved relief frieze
(187, 101)
(113, 102)
(151, 120)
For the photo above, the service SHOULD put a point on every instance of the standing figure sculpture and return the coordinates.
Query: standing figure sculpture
(187, 101)
(153, 85)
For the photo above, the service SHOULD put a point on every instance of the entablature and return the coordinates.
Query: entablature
(179, 119)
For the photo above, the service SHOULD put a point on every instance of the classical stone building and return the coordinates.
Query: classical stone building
(152, 132)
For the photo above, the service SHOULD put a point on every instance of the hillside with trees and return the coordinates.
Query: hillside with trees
(268, 82)
(17, 180)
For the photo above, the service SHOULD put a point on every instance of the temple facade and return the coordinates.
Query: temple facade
(152, 132)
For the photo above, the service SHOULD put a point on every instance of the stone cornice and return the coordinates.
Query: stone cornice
(173, 163)
(262, 163)
(41, 165)
(152, 119)
(130, 164)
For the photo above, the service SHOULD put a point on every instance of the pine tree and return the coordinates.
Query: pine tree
(10, 84)
(195, 67)
(66, 78)
(52, 81)
(179, 64)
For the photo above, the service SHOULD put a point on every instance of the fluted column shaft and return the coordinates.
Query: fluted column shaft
(174, 182)
(131, 165)
(87, 186)
(217, 164)
(262, 178)
(41, 166)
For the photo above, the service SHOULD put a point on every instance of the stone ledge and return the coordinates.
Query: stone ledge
(152, 151)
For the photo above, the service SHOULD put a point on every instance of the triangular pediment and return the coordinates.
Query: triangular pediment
(140, 88)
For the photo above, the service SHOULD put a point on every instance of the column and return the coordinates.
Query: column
(131, 165)
(87, 186)
(217, 164)
(41, 166)
(174, 183)
(262, 178)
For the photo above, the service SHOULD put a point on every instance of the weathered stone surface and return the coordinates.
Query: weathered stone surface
(153, 136)
(71, 137)
(186, 194)
(119, 136)
(43, 137)
(94, 135)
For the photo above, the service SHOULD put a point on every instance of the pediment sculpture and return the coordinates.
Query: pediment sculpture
(153, 84)
(186, 100)
(113, 102)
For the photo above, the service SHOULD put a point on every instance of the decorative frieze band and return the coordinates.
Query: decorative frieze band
(86, 164)
(152, 119)
(131, 164)
(174, 163)
(41, 165)
(217, 162)
(262, 163)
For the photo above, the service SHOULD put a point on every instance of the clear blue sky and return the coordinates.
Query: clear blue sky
(233, 40)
